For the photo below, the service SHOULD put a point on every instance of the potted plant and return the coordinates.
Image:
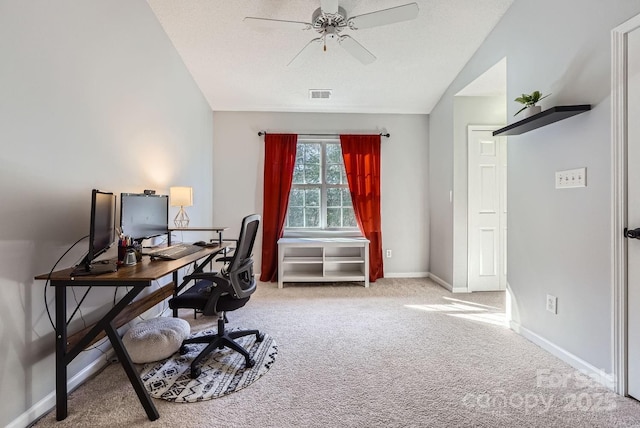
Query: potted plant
(529, 102)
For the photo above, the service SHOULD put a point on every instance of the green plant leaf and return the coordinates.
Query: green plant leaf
(531, 99)
(535, 96)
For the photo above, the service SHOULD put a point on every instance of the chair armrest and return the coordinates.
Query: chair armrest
(209, 276)
(221, 286)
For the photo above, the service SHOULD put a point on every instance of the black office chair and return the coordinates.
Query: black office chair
(214, 294)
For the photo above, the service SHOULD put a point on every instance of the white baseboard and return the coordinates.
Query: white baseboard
(48, 403)
(407, 275)
(446, 285)
(602, 377)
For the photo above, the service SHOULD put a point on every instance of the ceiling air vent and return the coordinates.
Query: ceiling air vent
(319, 94)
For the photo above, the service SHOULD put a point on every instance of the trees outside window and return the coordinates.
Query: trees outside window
(319, 198)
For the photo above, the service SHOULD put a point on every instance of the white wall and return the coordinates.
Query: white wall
(92, 95)
(559, 241)
(238, 155)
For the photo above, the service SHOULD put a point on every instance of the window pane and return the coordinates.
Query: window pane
(348, 218)
(312, 153)
(346, 198)
(334, 198)
(333, 217)
(312, 197)
(296, 198)
(296, 217)
(300, 153)
(312, 217)
(334, 154)
(298, 173)
(312, 174)
(334, 174)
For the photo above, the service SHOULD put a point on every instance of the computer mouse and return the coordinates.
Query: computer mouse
(200, 243)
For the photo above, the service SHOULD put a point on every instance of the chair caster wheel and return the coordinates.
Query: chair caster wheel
(195, 373)
(250, 363)
(259, 337)
(183, 350)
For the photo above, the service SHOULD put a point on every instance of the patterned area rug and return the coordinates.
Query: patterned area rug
(222, 373)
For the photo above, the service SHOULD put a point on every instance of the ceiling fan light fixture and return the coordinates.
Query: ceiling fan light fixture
(319, 94)
(330, 19)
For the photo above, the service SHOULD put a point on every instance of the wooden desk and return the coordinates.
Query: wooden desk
(138, 277)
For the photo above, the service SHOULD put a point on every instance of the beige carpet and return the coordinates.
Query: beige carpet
(404, 353)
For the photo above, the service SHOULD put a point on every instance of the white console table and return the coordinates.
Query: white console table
(323, 260)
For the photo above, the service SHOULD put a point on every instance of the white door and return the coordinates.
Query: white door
(633, 213)
(487, 210)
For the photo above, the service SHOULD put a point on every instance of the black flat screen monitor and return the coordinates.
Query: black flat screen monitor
(102, 227)
(143, 216)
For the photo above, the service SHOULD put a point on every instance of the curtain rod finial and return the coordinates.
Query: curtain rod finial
(261, 133)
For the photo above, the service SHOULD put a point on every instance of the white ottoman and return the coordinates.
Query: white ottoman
(155, 339)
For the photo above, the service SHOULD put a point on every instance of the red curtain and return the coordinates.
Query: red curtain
(279, 159)
(361, 155)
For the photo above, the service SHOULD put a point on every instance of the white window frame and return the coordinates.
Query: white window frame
(322, 230)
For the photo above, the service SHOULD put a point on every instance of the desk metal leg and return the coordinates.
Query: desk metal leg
(65, 356)
(61, 349)
(175, 291)
(132, 374)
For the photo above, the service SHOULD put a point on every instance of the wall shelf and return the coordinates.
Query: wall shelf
(541, 119)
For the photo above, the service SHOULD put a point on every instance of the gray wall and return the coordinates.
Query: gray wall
(559, 241)
(238, 155)
(92, 95)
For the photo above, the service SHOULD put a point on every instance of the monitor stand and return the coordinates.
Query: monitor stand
(96, 268)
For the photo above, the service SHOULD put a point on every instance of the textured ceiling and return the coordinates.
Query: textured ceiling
(240, 68)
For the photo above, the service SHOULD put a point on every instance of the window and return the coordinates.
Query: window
(319, 198)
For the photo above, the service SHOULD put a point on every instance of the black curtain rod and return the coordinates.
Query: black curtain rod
(261, 133)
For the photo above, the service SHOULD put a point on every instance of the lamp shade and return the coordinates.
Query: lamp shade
(181, 196)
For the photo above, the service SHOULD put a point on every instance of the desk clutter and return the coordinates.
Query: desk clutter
(129, 251)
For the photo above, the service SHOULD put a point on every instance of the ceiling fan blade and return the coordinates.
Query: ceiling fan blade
(304, 53)
(266, 23)
(384, 17)
(329, 6)
(358, 51)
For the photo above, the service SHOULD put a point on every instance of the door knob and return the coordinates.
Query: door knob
(634, 234)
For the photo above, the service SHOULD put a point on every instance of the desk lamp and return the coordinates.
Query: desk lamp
(181, 197)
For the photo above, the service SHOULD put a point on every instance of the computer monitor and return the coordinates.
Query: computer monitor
(144, 216)
(102, 229)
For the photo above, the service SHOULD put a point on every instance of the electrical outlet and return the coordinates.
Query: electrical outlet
(389, 254)
(552, 304)
(571, 178)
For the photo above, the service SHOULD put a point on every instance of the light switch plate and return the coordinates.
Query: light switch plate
(571, 178)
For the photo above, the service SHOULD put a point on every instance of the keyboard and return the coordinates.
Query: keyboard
(174, 252)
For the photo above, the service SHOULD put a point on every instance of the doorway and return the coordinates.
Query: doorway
(481, 103)
(487, 210)
(626, 213)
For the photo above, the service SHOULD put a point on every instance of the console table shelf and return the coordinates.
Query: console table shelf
(541, 119)
(323, 260)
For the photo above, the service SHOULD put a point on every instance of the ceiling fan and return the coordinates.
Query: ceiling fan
(330, 20)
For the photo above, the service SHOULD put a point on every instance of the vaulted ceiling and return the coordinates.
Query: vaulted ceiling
(240, 67)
